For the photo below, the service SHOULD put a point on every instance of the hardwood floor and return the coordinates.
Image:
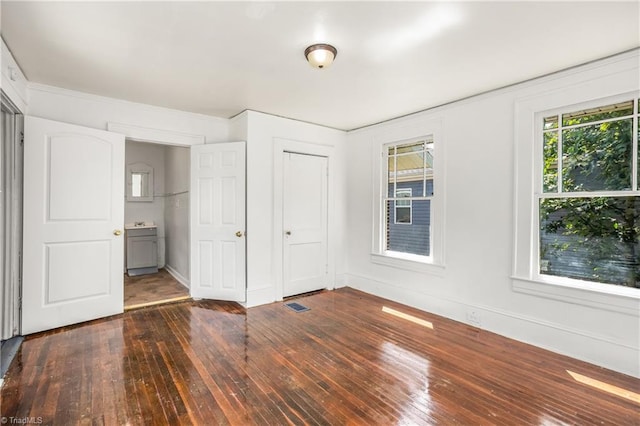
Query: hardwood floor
(345, 361)
(145, 290)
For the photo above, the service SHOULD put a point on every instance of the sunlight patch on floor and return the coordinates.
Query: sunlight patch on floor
(632, 396)
(407, 317)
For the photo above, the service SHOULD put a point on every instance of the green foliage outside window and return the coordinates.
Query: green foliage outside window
(593, 238)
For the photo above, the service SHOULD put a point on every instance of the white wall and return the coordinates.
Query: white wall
(96, 111)
(14, 83)
(264, 134)
(238, 127)
(479, 175)
(148, 211)
(176, 212)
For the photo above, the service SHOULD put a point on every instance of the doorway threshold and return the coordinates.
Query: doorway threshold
(301, 295)
(156, 302)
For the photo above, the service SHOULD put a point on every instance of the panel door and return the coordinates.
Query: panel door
(73, 222)
(305, 215)
(218, 244)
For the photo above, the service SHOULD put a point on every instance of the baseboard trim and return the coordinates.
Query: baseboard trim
(175, 274)
(604, 351)
(260, 296)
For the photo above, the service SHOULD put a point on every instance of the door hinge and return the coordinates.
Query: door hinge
(21, 138)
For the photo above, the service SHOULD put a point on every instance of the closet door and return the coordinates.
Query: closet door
(305, 221)
(218, 243)
(73, 222)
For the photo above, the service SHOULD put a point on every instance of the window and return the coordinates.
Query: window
(589, 199)
(403, 207)
(408, 196)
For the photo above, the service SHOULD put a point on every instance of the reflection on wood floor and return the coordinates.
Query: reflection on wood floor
(152, 289)
(351, 359)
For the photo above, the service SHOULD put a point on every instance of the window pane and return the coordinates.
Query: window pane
(550, 166)
(550, 122)
(403, 193)
(391, 167)
(593, 239)
(409, 238)
(429, 171)
(412, 147)
(403, 215)
(600, 113)
(411, 171)
(597, 157)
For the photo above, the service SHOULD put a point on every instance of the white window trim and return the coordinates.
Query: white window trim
(401, 134)
(619, 78)
(410, 206)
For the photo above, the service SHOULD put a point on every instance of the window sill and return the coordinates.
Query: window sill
(617, 299)
(408, 262)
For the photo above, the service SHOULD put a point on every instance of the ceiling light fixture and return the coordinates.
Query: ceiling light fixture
(320, 55)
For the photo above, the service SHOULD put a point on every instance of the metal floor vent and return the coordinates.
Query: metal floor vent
(296, 307)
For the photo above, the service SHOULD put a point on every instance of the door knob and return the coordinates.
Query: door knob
(287, 233)
(239, 234)
(117, 232)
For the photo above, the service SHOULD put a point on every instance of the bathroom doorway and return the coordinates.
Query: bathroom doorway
(156, 224)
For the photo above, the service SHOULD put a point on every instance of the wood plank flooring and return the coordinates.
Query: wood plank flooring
(345, 361)
(144, 290)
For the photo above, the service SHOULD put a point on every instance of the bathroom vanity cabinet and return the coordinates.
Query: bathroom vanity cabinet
(142, 250)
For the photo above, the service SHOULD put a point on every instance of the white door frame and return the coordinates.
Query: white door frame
(280, 147)
(172, 138)
(161, 137)
(12, 224)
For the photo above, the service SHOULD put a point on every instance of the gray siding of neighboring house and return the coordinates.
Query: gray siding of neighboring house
(575, 256)
(414, 237)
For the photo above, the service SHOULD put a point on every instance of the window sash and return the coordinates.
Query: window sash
(560, 128)
(559, 192)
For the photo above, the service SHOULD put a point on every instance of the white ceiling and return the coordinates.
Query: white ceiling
(394, 58)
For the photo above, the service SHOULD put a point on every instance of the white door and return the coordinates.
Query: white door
(305, 266)
(73, 221)
(218, 249)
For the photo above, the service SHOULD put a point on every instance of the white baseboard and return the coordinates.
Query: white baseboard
(260, 296)
(341, 280)
(603, 351)
(179, 277)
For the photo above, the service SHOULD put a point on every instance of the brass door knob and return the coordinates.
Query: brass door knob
(117, 232)
(239, 234)
(287, 233)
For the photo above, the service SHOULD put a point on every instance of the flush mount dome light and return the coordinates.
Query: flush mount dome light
(320, 55)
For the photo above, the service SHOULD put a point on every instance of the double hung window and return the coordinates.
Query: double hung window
(408, 196)
(588, 203)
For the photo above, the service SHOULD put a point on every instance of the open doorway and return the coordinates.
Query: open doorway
(156, 224)
(11, 133)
